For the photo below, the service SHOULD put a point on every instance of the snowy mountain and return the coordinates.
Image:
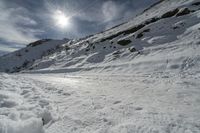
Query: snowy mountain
(25, 57)
(162, 33)
(138, 77)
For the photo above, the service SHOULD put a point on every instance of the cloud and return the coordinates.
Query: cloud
(4, 49)
(87, 16)
(24, 21)
(7, 48)
(110, 10)
(13, 22)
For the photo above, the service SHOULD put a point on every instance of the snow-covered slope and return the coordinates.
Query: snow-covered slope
(2, 53)
(164, 37)
(139, 77)
(25, 57)
(159, 36)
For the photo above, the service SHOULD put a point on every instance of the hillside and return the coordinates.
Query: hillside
(161, 33)
(24, 58)
(138, 77)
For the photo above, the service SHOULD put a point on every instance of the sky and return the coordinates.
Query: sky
(25, 21)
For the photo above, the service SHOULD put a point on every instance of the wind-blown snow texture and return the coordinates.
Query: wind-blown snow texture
(141, 76)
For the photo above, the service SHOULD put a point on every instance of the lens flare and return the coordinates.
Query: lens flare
(61, 19)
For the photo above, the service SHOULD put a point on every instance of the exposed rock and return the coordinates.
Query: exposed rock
(196, 4)
(182, 12)
(152, 20)
(134, 29)
(33, 44)
(170, 13)
(132, 49)
(139, 35)
(124, 42)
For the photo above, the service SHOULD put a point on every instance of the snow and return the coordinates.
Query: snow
(22, 108)
(163, 42)
(149, 85)
(28, 126)
(160, 102)
(23, 58)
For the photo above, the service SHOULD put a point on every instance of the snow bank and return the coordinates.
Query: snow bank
(32, 125)
(22, 108)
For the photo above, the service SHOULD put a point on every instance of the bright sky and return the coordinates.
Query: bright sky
(25, 21)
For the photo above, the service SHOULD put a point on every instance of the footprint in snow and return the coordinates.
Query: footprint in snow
(138, 108)
(66, 94)
(24, 92)
(117, 102)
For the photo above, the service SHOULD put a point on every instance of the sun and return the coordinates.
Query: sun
(61, 19)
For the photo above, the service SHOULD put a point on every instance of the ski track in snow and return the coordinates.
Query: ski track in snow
(99, 103)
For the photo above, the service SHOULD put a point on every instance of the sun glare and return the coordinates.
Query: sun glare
(61, 19)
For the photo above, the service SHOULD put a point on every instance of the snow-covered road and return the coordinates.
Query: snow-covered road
(59, 103)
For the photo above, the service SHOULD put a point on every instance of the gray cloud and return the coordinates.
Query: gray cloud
(10, 20)
(111, 10)
(7, 48)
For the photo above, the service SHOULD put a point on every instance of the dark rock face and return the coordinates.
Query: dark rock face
(129, 31)
(132, 49)
(134, 29)
(152, 20)
(140, 35)
(182, 12)
(124, 42)
(196, 4)
(39, 42)
(170, 13)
